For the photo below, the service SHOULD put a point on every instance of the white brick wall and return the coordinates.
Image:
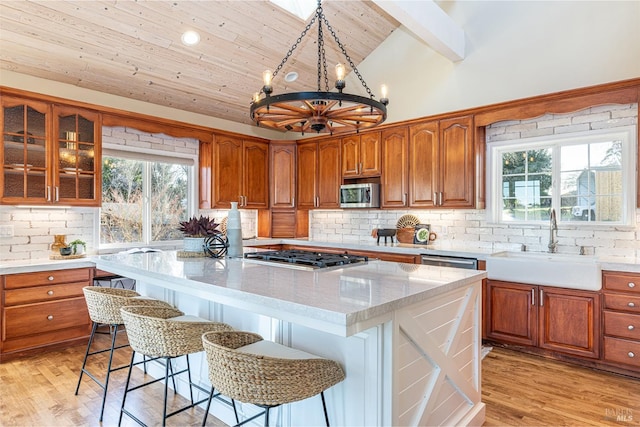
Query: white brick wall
(470, 229)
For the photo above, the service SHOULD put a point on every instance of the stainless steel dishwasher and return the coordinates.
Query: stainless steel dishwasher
(450, 261)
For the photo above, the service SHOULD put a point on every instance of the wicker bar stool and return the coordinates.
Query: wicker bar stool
(249, 369)
(165, 333)
(104, 309)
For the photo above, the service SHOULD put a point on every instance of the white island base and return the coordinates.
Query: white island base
(417, 364)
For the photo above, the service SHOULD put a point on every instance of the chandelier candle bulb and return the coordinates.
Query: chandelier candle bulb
(383, 94)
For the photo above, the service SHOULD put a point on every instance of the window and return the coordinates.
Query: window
(144, 198)
(587, 177)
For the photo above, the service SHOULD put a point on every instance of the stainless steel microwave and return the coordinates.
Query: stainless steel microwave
(365, 195)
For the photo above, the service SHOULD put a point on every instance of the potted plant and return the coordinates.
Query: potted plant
(78, 247)
(196, 230)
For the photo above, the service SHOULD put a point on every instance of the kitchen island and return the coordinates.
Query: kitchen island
(408, 336)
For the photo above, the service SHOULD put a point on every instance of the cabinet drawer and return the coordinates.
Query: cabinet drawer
(622, 325)
(622, 351)
(39, 278)
(42, 293)
(34, 319)
(627, 282)
(622, 302)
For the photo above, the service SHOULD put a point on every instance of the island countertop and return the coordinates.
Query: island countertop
(343, 301)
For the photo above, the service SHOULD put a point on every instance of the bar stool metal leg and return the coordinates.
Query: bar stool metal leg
(113, 330)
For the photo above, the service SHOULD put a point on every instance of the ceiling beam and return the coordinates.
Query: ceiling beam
(430, 23)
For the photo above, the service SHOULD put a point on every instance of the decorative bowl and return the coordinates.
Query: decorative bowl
(66, 251)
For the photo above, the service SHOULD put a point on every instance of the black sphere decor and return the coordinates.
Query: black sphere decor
(216, 246)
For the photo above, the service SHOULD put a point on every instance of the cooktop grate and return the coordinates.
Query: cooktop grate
(307, 258)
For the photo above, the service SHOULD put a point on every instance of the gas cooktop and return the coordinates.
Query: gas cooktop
(311, 259)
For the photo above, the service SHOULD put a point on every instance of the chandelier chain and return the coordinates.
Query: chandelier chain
(346, 55)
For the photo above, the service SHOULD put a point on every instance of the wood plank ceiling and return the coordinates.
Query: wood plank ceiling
(133, 49)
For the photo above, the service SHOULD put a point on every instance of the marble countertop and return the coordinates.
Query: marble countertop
(342, 300)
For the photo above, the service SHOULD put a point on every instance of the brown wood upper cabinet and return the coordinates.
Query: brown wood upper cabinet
(241, 172)
(429, 164)
(50, 154)
(283, 174)
(319, 175)
(361, 155)
(441, 164)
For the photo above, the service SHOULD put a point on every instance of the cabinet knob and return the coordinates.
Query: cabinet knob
(630, 327)
(50, 278)
(631, 304)
(631, 354)
(50, 317)
(49, 292)
(631, 285)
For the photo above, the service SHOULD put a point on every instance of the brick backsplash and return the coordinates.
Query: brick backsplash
(470, 229)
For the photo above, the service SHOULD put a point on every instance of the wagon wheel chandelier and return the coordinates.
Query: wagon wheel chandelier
(321, 111)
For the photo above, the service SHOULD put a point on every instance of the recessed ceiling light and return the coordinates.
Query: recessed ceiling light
(190, 38)
(291, 77)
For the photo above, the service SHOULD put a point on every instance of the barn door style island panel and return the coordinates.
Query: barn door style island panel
(407, 336)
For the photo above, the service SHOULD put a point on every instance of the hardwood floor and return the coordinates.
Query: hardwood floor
(518, 389)
(39, 391)
(527, 390)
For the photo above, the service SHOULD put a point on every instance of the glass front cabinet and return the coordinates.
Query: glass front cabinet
(50, 154)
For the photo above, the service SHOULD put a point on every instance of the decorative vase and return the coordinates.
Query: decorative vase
(234, 231)
(193, 244)
(58, 242)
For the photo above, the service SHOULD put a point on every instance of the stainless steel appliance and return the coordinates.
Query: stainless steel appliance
(364, 195)
(450, 261)
(308, 259)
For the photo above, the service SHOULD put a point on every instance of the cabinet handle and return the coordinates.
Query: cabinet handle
(440, 199)
(435, 199)
(50, 278)
(533, 296)
(49, 293)
(631, 285)
(48, 193)
(630, 327)
(57, 193)
(50, 317)
(317, 201)
(541, 297)
(631, 304)
(404, 199)
(631, 354)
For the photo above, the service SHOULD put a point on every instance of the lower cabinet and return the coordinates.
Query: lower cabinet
(43, 309)
(560, 320)
(622, 319)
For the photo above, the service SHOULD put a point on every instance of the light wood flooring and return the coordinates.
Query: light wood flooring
(518, 389)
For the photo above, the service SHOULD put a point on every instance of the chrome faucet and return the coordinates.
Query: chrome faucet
(553, 228)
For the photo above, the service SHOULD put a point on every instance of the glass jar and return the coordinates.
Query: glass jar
(58, 242)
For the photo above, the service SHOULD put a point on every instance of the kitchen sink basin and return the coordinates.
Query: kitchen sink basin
(538, 268)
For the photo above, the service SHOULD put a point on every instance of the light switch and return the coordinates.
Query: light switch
(6, 230)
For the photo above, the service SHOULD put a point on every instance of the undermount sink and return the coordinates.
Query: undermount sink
(538, 268)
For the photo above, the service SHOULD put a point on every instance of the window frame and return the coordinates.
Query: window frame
(627, 134)
(149, 157)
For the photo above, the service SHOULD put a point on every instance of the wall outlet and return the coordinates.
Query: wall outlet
(6, 230)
